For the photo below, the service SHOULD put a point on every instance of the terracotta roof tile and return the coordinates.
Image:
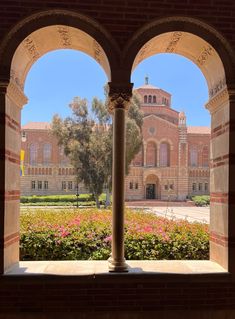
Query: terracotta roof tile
(198, 130)
(36, 126)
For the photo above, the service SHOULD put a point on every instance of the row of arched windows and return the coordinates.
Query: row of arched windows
(46, 153)
(199, 173)
(39, 171)
(152, 99)
(66, 171)
(33, 153)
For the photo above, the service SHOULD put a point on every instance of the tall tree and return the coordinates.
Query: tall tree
(87, 140)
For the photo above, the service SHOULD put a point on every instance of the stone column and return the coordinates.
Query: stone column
(222, 179)
(119, 97)
(12, 99)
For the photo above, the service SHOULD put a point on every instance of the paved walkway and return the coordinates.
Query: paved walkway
(176, 210)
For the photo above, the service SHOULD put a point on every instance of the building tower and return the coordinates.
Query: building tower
(182, 158)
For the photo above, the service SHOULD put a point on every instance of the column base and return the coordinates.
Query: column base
(117, 266)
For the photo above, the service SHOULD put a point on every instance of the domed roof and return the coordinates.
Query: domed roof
(147, 85)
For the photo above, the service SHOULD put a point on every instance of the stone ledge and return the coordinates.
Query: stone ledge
(138, 269)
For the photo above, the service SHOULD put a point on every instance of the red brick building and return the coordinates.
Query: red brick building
(173, 162)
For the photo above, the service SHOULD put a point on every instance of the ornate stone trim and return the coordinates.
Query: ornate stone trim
(182, 20)
(217, 87)
(217, 101)
(205, 54)
(119, 96)
(101, 31)
(16, 95)
(65, 36)
(31, 48)
(175, 38)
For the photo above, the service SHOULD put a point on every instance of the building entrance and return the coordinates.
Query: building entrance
(150, 191)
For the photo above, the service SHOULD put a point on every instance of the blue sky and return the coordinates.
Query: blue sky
(60, 75)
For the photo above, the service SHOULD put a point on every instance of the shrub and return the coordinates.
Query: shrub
(86, 234)
(203, 200)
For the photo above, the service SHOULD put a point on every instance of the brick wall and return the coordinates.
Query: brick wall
(122, 18)
(115, 295)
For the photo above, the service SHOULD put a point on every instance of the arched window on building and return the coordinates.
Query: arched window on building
(164, 154)
(33, 154)
(145, 99)
(205, 156)
(150, 99)
(193, 156)
(46, 154)
(154, 99)
(151, 154)
(138, 159)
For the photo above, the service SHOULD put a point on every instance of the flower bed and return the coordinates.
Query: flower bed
(86, 234)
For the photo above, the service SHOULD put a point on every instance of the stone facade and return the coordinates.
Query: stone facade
(172, 164)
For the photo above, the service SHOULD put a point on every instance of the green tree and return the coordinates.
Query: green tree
(87, 141)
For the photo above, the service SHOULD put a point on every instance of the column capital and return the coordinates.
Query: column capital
(217, 101)
(119, 95)
(16, 94)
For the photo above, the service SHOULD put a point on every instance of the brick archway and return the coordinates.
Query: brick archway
(22, 47)
(205, 47)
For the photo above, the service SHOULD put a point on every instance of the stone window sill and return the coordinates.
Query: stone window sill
(138, 268)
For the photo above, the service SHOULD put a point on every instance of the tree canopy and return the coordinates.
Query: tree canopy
(86, 136)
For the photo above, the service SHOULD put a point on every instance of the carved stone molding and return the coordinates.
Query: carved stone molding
(205, 54)
(119, 96)
(217, 101)
(175, 38)
(16, 95)
(217, 87)
(182, 23)
(97, 51)
(31, 48)
(16, 80)
(63, 15)
(65, 36)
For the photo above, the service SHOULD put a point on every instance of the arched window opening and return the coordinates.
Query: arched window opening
(164, 155)
(145, 99)
(150, 99)
(151, 154)
(205, 156)
(154, 99)
(47, 150)
(33, 154)
(194, 156)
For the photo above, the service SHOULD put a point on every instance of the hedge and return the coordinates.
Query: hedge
(60, 198)
(86, 234)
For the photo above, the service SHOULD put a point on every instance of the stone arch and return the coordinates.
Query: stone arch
(168, 141)
(69, 28)
(169, 32)
(152, 186)
(28, 40)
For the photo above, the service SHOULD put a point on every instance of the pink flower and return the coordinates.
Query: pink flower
(148, 229)
(64, 233)
(107, 239)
